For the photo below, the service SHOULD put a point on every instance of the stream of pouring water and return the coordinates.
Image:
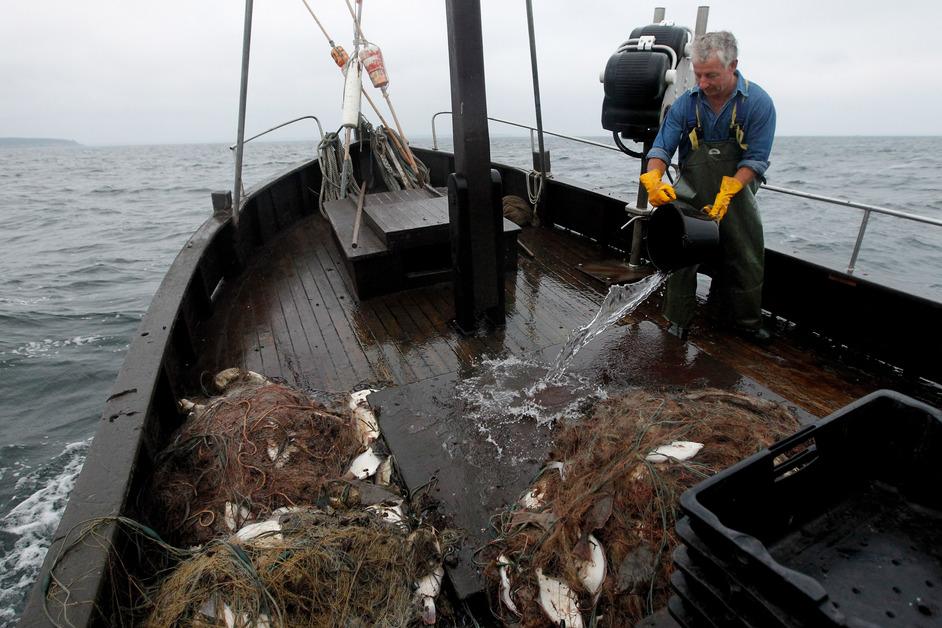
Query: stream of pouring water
(505, 390)
(620, 301)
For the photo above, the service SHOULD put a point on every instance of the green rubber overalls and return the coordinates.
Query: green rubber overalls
(736, 289)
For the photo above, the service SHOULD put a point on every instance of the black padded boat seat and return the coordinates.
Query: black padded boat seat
(404, 240)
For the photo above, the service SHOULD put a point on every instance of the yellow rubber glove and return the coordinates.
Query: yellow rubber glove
(659, 192)
(729, 188)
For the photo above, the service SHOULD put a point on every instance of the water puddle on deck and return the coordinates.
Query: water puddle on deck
(502, 393)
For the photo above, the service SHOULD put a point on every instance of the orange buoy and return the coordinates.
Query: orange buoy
(340, 55)
(372, 58)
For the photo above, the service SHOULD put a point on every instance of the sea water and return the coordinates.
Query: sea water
(89, 231)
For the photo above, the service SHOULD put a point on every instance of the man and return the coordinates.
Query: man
(724, 128)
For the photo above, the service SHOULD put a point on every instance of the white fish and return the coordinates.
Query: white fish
(224, 378)
(209, 607)
(503, 563)
(530, 500)
(678, 451)
(389, 514)
(384, 473)
(364, 419)
(269, 532)
(364, 465)
(558, 601)
(592, 571)
(278, 455)
(426, 590)
(234, 517)
(188, 407)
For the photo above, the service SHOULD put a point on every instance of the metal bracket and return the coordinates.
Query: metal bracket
(646, 42)
(644, 212)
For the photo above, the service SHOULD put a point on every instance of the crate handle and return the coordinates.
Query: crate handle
(796, 462)
(790, 441)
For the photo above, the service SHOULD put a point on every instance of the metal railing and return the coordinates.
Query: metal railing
(320, 129)
(867, 209)
(532, 131)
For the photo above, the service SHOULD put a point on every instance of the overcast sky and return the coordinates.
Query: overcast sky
(167, 71)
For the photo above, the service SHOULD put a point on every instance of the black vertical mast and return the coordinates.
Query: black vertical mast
(475, 213)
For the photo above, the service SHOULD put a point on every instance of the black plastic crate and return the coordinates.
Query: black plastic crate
(840, 523)
(727, 584)
(696, 611)
(706, 583)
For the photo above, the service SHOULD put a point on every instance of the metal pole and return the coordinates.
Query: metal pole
(243, 92)
(703, 13)
(659, 14)
(860, 237)
(536, 99)
(634, 258)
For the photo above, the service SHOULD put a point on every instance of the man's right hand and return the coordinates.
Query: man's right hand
(659, 192)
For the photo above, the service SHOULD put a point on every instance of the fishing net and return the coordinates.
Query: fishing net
(517, 210)
(607, 486)
(338, 569)
(257, 448)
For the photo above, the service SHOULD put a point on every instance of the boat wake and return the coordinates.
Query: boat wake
(26, 530)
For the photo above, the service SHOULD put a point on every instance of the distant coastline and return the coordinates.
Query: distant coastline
(36, 141)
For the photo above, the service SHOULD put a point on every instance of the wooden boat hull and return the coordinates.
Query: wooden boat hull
(170, 348)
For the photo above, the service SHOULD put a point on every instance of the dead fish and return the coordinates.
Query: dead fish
(234, 516)
(390, 513)
(188, 407)
(280, 455)
(226, 378)
(210, 608)
(364, 465)
(677, 451)
(503, 563)
(428, 586)
(364, 418)
(263, 533)
(558, 601)
(384, 472)
(531, 500)
(592, 572)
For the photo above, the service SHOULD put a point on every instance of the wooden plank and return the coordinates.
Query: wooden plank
(341, 214)
(314, 275)
(394, 332)
(352, 328)
(369, 330)
(310, 369)
(401, 368)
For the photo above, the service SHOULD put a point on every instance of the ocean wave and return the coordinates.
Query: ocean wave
(28, 527)
(52, 346)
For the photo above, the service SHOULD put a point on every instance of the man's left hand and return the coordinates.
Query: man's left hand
(729, 188)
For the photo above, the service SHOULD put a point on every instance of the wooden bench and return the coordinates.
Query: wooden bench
(404, 240)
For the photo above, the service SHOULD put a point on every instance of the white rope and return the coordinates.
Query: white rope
(330, 156)
(535, 182)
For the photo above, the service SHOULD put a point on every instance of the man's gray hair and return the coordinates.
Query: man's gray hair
(721, 43)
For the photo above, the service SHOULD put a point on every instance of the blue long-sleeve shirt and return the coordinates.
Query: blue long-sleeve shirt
(758, 125)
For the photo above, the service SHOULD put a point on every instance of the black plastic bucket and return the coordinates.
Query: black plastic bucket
(681, 235)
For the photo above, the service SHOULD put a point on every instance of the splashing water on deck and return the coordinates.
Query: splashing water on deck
(620, 301)
(504, 392)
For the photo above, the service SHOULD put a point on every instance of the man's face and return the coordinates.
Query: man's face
(714, 79)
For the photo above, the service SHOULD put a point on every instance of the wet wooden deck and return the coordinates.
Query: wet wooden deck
(293, 314)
